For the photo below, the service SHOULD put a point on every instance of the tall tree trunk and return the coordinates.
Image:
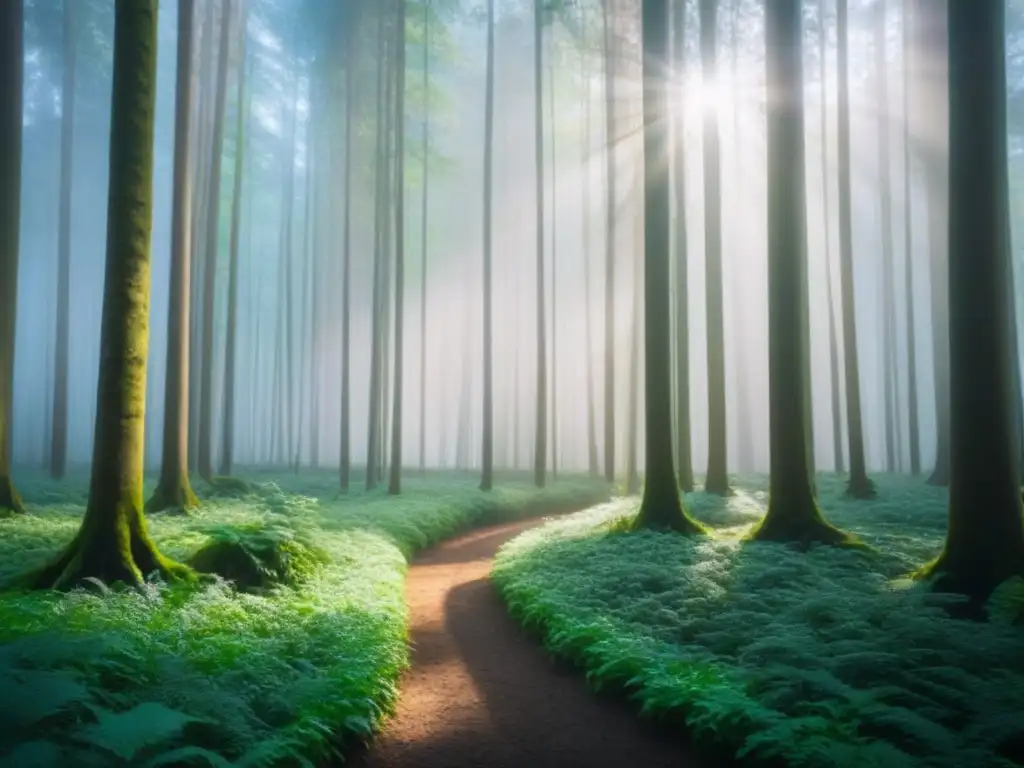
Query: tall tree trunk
(487, 436)
(351, 57)
(59, 439)
(587, 215)
(635, 339)
(684, 453)
(833, 338)
(11, 94)
(374, 429)
(395, 484)
(610, 230)
(985, 538)
(792, 514)
(113, 544)
(554, 259)
(227, 457)
(717, 480)
(860, 486)
(908, 249)
(891, 388)
(744, 419)
(174, 491)
(661, 506)
(205, 458)
(206, 74)
(423, 235)
(540, 436)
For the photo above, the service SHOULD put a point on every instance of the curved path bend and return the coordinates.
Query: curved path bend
(482, 694)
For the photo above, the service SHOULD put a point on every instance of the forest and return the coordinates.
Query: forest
(462, 383)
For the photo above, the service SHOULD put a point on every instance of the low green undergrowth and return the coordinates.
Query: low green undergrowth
(211, 675)
(827, 659)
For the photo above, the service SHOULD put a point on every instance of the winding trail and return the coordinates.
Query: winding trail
(482, 694)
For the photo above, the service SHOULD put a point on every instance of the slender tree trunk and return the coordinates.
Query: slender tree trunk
(833, 339)
(379, 298)
(635, 339)
(351, 57)
(540, 436)
(792, 514)
(888, 287)
(908, 249)
(395, 485)
(205, 74)
(423, 235)
(113, 544)
(59, 439)
(610, 235)
(11, 94)
(684, 454)
(554, 260)
(205, 458)
(985, 538)
(860, 486)
(487, 437)
(717, 480)
(744, 419)
(230, 343)
(587, 215)
(662, 506)
(174, 491)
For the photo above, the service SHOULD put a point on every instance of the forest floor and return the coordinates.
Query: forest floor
(482, 693)
(205, 674)
(824, 659)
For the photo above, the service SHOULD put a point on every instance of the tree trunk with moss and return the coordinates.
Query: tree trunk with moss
(661, 507)
(11, 95)
(113, 544)
(985, 539)
(717, 478)
(174, 491)
(793, 514)
(860, 486)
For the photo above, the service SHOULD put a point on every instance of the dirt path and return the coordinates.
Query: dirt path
(481, 694)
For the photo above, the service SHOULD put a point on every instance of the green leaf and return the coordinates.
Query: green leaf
(125, 734)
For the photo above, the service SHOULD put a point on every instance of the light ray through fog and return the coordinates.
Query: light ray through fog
(281, 53)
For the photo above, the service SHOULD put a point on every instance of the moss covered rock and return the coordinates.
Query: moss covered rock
(260, 556)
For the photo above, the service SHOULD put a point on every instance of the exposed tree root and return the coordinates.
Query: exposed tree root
(665, 512)
(803, 530)
(125, 555)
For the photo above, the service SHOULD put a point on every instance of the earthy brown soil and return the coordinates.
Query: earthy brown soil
(482, 694)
